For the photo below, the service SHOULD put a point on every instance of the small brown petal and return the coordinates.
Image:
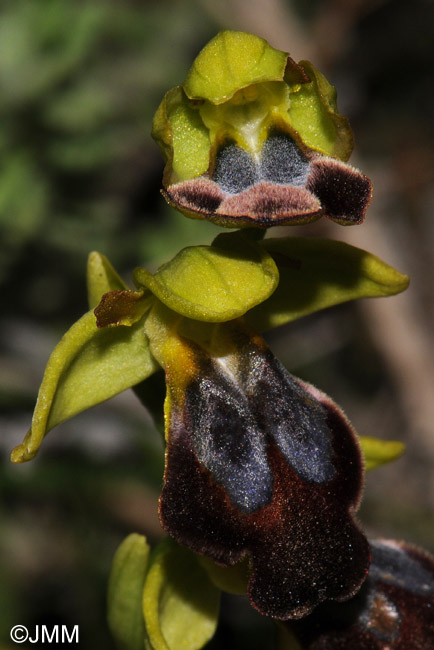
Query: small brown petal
(120, 307)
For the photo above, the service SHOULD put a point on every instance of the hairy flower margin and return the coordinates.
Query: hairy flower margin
(393, 609)
(252, 138)
(263, 471)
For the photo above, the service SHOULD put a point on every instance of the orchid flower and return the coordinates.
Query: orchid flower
(393, 609)
(252, 138)
(263, 472)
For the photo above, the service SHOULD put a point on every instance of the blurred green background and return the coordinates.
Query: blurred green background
(79, 83)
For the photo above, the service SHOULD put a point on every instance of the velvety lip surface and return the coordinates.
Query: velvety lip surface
(281, 187)
(260, 463)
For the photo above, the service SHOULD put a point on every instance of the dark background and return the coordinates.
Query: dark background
(79, 83)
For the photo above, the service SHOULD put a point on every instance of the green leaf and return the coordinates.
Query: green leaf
(313, 113)
(319, 273)
(180, 603)
(378, 452)
(232, 61)
(214, 283)
(125, 590)
(101, 278)
(88, 366)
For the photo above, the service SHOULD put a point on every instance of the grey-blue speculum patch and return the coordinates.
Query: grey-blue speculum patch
(280, 161)
(233, 427)
(260, 463)
(283, 184)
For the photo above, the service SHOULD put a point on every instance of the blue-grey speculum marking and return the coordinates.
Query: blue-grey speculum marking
(280, 161)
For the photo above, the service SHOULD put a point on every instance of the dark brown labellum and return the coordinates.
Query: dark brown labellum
(260, 463)
(394, 610)
(282, 185)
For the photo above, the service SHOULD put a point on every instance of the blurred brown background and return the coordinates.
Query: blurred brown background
(79, 83)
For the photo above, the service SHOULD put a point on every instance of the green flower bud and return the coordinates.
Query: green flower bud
(124, 602)
(254, 138)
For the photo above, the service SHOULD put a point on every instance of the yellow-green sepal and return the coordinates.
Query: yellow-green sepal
(88, 366)
(231, 579)
(182, 136)
(314, 115)
(101, 277)
(180, 603)
(379, 452)
(214, 283)
(319, 273)
(125, 589)
(230, 62)
(238, 90)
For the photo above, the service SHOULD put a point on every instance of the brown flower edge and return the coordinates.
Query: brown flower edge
(287, 183)
(259, 463)
(394, 609)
